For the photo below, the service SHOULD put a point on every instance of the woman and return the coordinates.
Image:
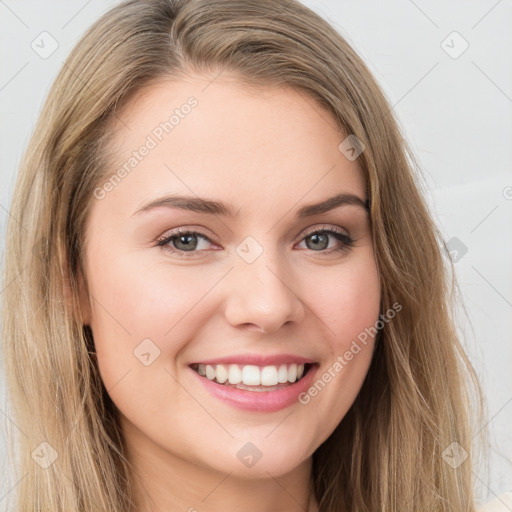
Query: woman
(229, 293)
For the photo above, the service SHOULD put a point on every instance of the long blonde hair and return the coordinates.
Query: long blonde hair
(388, 452)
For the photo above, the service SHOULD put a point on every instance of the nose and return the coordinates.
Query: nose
(262, 295)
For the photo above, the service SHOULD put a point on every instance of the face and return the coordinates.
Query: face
(255, 283)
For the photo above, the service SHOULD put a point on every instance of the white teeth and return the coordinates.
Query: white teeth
(252, 375)
(269, 376)
(282, 374)
(210, 372)
(221, 373)
(234, 374)
(292, 373)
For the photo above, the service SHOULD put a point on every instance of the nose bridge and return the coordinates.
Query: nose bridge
(260, 291)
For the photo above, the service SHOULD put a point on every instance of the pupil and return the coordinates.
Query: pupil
(315, 239)
(186, 240)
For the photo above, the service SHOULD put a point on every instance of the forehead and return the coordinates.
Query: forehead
(213, 135)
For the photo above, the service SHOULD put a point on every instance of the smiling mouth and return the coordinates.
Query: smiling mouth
(252, 377)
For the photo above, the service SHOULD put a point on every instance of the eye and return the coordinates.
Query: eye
(318, 240)
(187, 243)
(183, 242)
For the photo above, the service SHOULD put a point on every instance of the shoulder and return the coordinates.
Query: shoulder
(502, 503)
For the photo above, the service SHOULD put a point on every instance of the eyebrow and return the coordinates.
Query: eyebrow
(200, 205)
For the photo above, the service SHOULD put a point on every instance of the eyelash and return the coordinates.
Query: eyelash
(347, 241)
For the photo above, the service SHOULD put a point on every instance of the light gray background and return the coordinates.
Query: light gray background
(456, 113)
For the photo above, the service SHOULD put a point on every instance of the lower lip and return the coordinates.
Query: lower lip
(260, 401)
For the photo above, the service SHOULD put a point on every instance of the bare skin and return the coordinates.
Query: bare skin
(268, 154)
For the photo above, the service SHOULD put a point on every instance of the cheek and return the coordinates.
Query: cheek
(136, 300)
(347, 300)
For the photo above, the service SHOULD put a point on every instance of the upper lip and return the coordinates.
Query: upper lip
(257, 360)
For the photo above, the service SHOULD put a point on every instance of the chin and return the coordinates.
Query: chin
(254, 460)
